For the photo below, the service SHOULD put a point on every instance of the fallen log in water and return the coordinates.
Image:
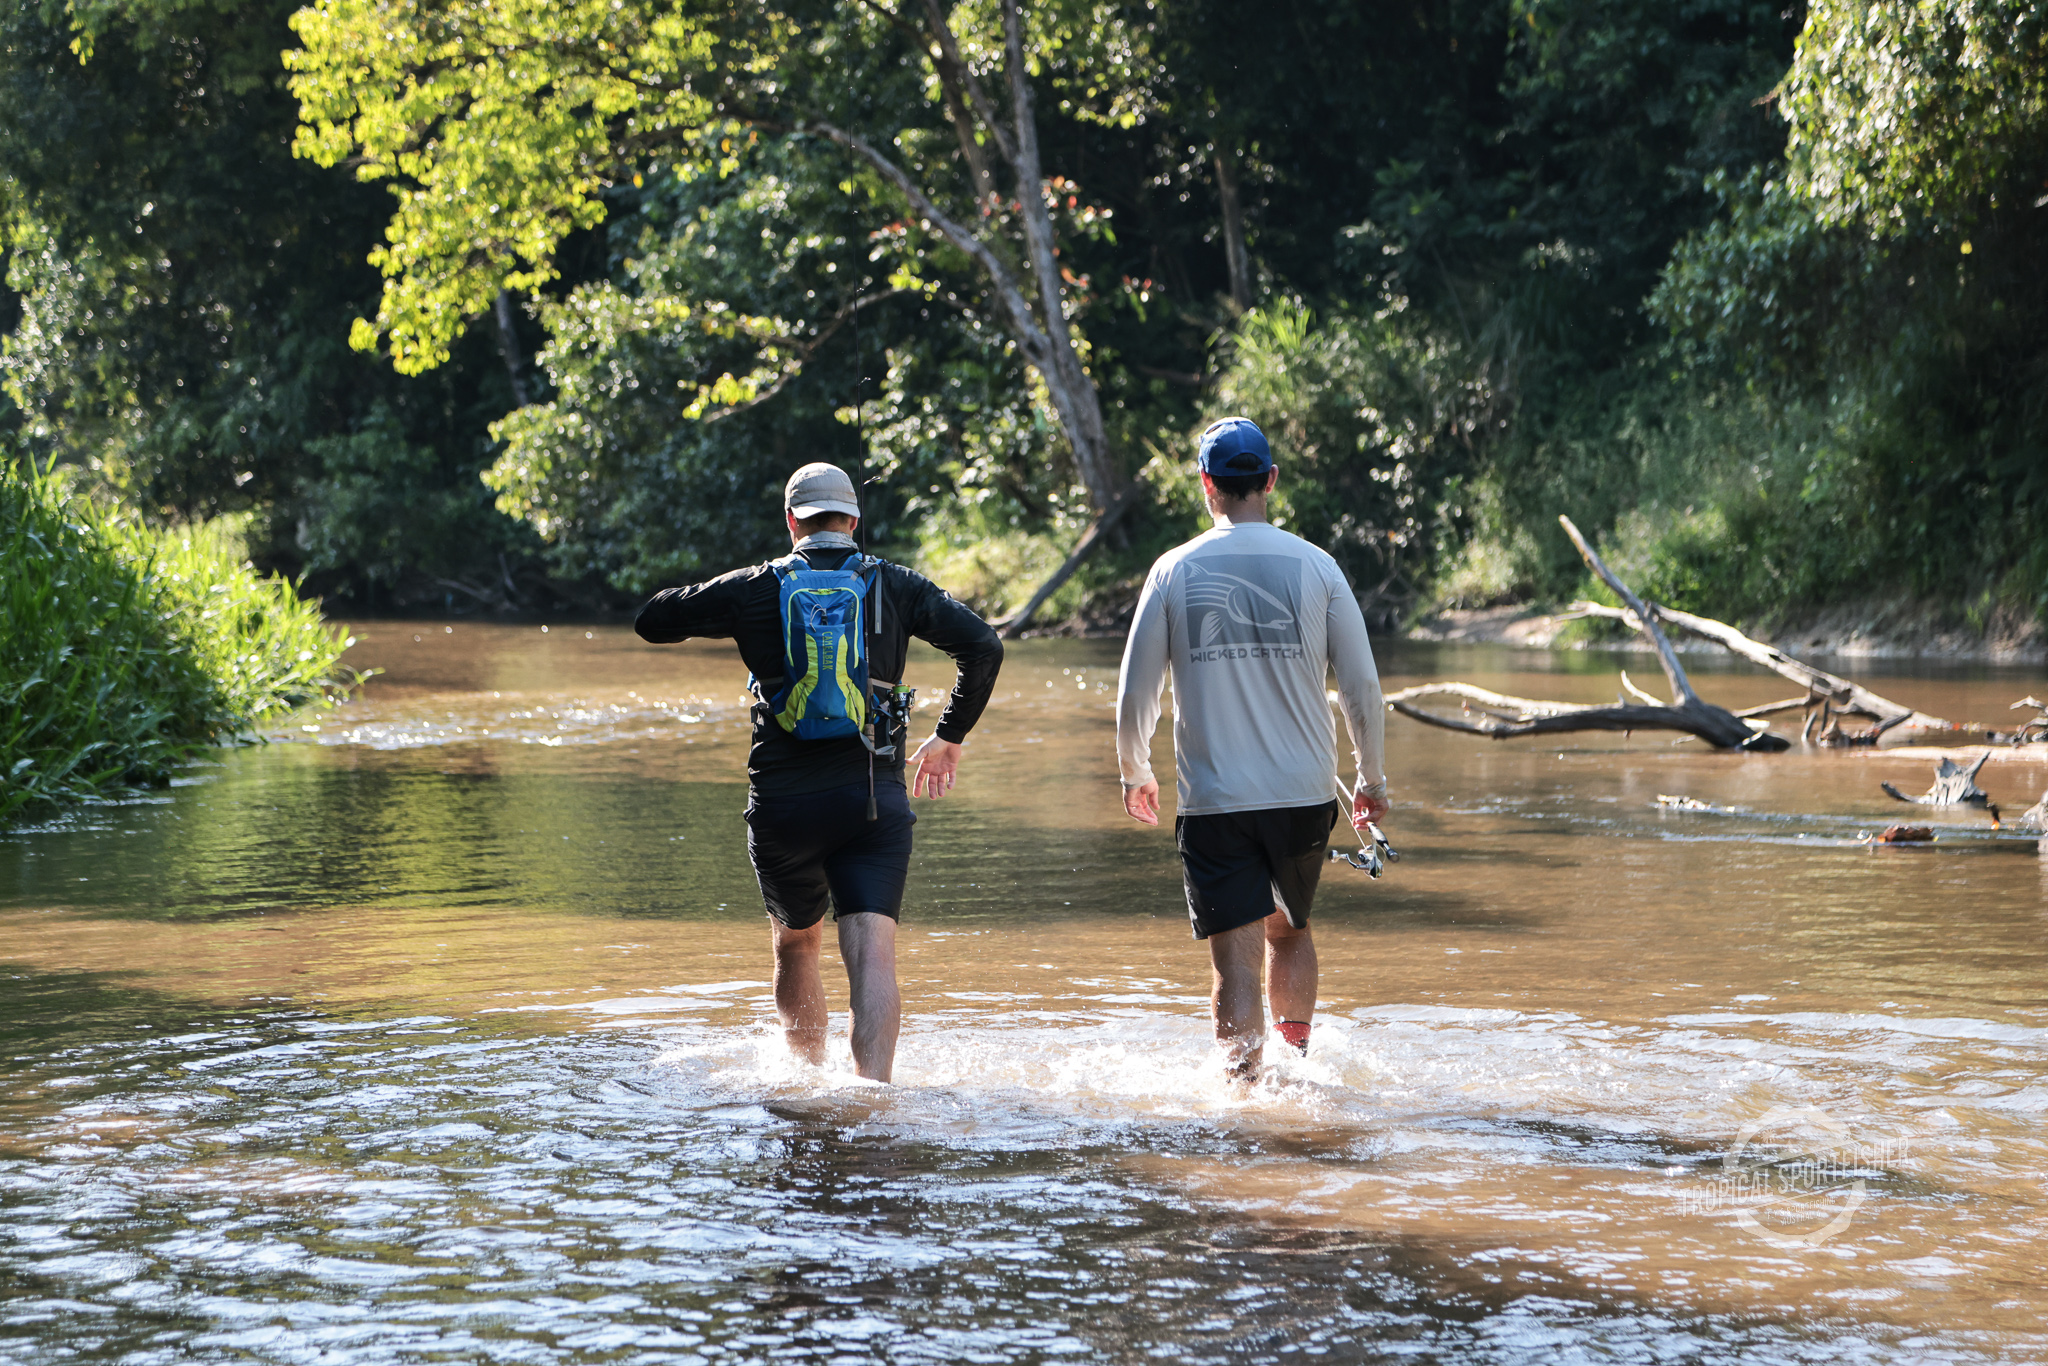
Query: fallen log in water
(2035, 818)
(1828, 691)
(1954, 785)
(2035, 728)
(1505, 716)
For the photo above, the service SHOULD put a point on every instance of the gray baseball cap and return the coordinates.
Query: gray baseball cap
(817, 488)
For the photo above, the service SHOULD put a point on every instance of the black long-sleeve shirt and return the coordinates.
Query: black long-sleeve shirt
(745, 607)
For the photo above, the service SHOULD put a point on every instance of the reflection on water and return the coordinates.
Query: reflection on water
(440, 1032)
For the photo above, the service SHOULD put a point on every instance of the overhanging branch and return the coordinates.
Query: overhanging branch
(1031, 339)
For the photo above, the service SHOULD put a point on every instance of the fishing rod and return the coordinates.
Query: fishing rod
(891, 719)
(860, 469)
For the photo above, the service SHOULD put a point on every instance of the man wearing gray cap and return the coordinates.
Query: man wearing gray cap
(825, 632)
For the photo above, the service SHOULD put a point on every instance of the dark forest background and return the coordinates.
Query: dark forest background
(1501, 260)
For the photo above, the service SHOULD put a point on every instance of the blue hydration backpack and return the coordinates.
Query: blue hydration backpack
(824, 692)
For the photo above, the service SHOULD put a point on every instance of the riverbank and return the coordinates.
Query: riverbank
(130, 647)
(1882, 629)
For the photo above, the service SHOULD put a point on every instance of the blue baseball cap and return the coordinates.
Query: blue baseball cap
(1235, 446)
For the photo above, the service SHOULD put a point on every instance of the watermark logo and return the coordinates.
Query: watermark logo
(1796, 1175)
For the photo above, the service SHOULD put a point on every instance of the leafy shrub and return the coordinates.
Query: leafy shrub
(1369, 416)
(128, 647)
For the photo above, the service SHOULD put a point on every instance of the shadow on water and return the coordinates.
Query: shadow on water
(42, 1010)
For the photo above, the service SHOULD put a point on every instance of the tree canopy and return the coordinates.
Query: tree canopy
(1748, 288)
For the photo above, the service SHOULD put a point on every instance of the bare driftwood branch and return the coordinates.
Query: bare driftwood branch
(1633, 691)
(1646, 621)
(1839, 693)
(1773, 708)
(1516, 708)
(1009, 626)
(1688, 711)
(2035, 818)
(1501, 716)
(1621, 718)
(1954, 785)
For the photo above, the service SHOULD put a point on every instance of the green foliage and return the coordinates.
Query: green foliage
(501, 128)
(1369, 418)
(129, 647)
(1543, 204)
(1751, 293)
(1721, 502)
(182, 288)
(495, 123)
(652, 460)
(721, 353)
(1888, 282)
(1905, 114)
(714, 353)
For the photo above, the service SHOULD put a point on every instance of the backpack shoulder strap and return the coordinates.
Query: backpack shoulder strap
(871, 576)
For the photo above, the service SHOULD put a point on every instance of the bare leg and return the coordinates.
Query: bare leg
(799, 995)
(1236, 999)
(867, 941)
(1290, 969)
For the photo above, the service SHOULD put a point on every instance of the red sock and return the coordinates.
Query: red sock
(1296, 1033)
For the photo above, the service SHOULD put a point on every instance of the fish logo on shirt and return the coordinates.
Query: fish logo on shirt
(1251, 602)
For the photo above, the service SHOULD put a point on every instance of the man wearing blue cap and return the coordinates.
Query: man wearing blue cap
(1250, 621)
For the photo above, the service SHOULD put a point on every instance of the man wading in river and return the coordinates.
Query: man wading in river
(824, 631)
(1250, 620)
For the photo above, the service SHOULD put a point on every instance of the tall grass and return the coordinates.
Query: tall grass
(124, 648)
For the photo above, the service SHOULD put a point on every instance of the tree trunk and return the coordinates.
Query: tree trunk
(1040, 330)
(953, 81)
(1013, 625)
(1565, 721)
(1073, 392)
(1233, 230)
(508, 343)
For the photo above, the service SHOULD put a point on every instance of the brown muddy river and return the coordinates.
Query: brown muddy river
(439, 1030)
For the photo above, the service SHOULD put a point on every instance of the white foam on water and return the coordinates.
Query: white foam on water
(1471, 1098)
(512, 718)
(1961, 1027)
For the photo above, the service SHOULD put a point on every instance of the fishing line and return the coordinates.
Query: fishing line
(860, 434)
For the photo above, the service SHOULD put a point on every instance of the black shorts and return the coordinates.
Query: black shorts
(1241, 865)
(817, 849)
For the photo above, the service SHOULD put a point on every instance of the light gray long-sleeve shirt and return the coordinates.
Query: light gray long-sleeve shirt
(1250, 620)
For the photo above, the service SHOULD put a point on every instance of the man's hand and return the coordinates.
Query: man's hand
(938, 763)
(1369, 806)
(1142, 802)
